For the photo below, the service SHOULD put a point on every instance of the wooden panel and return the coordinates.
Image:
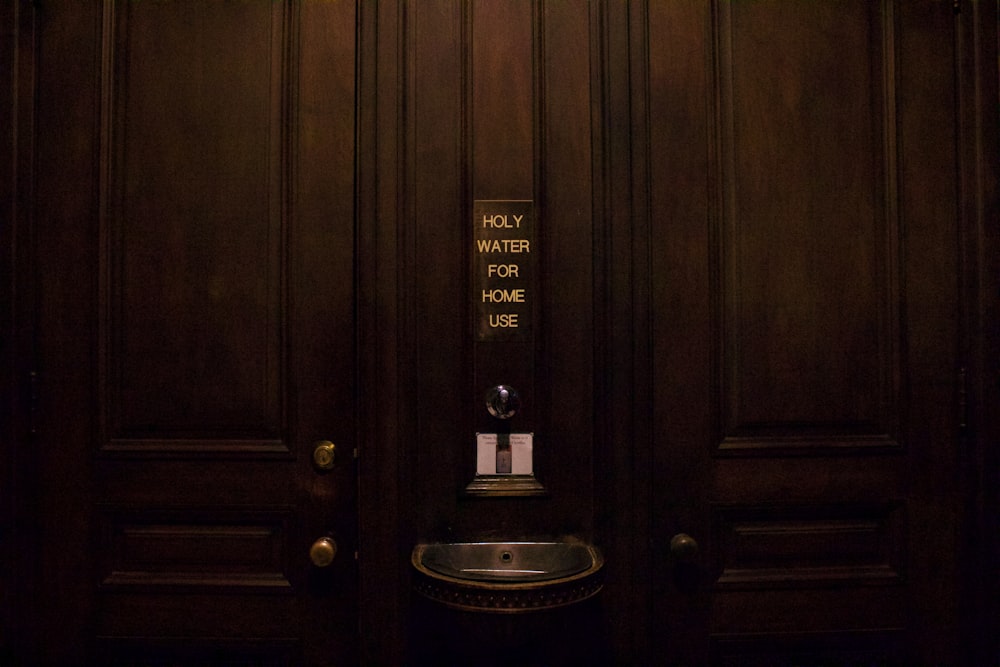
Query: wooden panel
(863, 647)
(117, 651)
(503, 99)
(796, 545)
(568, 241)
(195, 551)
(808, 238)
(801, 610)
(439, 325)
(193, 226)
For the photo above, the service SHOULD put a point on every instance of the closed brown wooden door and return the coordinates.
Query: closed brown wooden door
(806, 365)
(193, 220)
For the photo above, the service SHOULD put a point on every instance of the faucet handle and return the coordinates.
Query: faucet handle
(502, 401)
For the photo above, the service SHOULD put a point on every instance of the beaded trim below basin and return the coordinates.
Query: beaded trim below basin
(508, 597)
(509, 601)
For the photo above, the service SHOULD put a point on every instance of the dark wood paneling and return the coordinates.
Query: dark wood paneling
(621, 337)
(568, 228)
(928, 204)
(194, 223)
(979, 404)
(683, 271)
(473, 101)
(17, 68)
(385, 408)
(62, 210)
(808, 228)
(497, 106)
(824, 648)
(790, 611)
(788, 546)
(199, 289)
(746, 329)
(433, 231)
(805, 325)
(504, 100)
(196, 551)
(114, 651)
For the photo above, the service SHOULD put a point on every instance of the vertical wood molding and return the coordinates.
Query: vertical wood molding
(59, 136)
(17, 363)
(979, 144)
(621, 149)
(383, 577)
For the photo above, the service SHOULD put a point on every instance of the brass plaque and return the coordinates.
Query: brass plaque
(503, 269)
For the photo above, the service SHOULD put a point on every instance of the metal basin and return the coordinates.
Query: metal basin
(508, 576)
(507, 561)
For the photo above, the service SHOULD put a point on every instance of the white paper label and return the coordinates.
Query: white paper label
(504, 453)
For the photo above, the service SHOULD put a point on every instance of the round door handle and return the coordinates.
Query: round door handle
(325, 455)
(683, 548)
(323, 551)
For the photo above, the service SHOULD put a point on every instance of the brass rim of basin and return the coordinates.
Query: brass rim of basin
(504, 596)
(597, 563)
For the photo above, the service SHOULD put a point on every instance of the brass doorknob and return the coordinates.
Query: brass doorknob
(323, 551)
(683, 548)
(324, 455)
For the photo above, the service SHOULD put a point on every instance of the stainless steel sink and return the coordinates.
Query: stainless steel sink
(507, 561)
(508, 576)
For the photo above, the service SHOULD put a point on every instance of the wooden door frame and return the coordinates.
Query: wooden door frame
(383, 418)
(17, 63)
(8, 406)
(978, 102)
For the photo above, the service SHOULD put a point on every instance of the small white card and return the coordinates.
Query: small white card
(503, 453)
